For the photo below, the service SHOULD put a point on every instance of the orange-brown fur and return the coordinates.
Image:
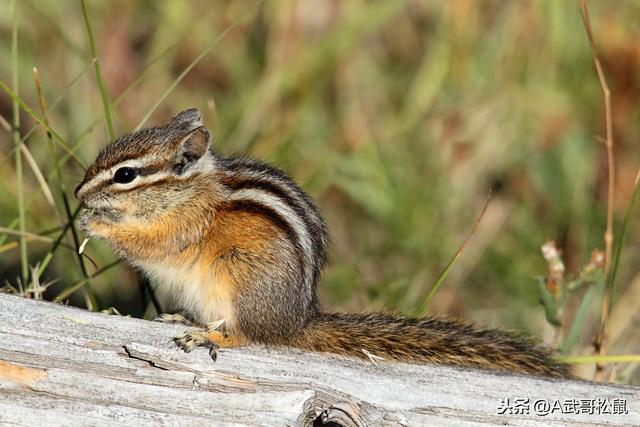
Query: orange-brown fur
(226, 341)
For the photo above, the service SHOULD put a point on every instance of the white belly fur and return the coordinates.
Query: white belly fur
(193, 291)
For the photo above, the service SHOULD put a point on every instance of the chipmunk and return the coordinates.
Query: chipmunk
(237, 242)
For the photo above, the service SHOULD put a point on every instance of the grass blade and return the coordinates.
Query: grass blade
(55, 103)
(549, 303)
(103, 92)
(48, 195)
(576, 360)
(28, 110)
(425, 302)
(88, 295)
(24, 260)
(624, 232)
(79, 284)
(579, 320)
(192, 64)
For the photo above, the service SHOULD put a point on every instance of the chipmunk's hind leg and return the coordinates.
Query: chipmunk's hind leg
(213, 337)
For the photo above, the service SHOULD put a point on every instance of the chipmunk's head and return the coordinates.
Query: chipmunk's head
(142, 176)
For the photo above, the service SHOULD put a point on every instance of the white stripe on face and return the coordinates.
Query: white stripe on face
(204, 165)
(107, 174)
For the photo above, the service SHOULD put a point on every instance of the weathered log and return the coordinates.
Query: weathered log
(65, 366)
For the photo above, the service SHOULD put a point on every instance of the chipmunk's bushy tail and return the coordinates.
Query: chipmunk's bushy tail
(427, 340)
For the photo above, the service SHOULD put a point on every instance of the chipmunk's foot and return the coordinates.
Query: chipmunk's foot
(193, 339)
(213, 337)
(175, 319)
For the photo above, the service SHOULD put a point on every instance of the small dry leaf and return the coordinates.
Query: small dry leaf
(83, 245)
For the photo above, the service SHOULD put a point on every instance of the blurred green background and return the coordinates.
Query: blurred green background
(398, 117)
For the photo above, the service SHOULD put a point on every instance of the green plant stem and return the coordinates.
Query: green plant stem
(79, 284)
(29, 110)
(422, 305)
(103, 92)
(611, 278)
(575, 360)
(24, 260)
(47, 258)
(88, 295)
(53, 106)
(26, 234)
(192, 64)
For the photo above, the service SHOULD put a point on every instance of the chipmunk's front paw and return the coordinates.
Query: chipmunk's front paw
(175, 319)
(192, 339)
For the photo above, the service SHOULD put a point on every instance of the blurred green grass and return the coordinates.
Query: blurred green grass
(397, 117)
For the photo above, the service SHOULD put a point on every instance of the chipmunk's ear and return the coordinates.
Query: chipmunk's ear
(188, 119)
(192, 148)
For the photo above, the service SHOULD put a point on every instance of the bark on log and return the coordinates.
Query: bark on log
(65, 366)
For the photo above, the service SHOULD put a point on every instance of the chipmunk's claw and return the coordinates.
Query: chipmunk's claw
(213, 352)
(182, 346)
(193, 339)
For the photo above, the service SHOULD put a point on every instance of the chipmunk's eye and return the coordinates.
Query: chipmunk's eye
(124, 175)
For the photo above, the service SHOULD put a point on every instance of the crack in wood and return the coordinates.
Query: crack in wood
(140, 356)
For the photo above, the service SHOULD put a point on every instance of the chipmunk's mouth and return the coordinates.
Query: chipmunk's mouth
(103, 213)
(100, 208)
(93, 218)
